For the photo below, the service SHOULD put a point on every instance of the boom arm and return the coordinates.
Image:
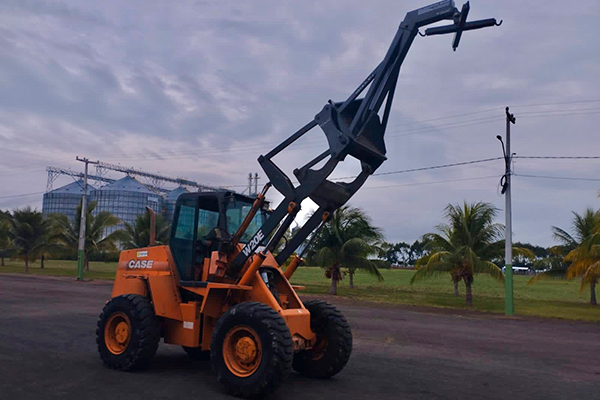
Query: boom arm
(352, 128)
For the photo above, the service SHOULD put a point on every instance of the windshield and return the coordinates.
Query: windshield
(237, 209)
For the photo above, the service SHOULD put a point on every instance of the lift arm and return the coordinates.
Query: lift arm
(352, 128)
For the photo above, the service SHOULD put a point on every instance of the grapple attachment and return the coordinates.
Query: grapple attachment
(353, 128)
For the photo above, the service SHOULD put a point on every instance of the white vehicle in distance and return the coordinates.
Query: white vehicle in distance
(519, 270)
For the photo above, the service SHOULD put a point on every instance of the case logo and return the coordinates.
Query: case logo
(132, 264)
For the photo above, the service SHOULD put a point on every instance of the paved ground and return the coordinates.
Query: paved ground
(47, 350)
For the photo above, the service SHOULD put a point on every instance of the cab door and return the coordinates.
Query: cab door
(195, 218)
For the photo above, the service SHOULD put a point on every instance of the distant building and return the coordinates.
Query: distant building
(126, 199)
(64, 200)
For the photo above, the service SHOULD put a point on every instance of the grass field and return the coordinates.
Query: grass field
(556, 299)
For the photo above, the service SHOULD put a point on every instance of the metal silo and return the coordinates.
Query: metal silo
(126, 198)
(170, 200)
(64, 200)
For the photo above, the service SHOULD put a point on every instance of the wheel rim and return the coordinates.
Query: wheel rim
(242, 351)
(117, 333)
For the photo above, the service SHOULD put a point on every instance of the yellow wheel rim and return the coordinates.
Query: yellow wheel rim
(117, 333)
(242, 351)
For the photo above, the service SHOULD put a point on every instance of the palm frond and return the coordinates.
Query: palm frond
(487, 267)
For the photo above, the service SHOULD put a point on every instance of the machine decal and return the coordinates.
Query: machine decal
(140, 264)
(253, 244)
(188, 325)
(141, 254)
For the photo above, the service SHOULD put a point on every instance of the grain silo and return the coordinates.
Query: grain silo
(64, 200)
(126, 199)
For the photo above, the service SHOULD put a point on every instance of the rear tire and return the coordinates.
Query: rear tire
(334, 342)
(127, 333)
(251, 350)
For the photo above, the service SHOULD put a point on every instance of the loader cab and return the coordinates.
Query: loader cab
(205, 222)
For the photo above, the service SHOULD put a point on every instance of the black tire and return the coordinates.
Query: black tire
(334, 342)
(197, 353)
(277, 349)
(144, 333)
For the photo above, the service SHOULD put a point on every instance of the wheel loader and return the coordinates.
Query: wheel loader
(219, 290)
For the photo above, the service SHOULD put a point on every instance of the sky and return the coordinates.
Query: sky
(200, 89)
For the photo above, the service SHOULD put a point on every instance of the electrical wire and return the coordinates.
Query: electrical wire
(569, 178)
(21, 195)
(558, 157)
(427, 168)
(434, 182)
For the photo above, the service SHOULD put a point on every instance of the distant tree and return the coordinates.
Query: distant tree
(346, 241)
(395, 253)
(27, 231)
(583, 226)
(137, 235)
(5, 242)
(585, 263)
(538, 251)
(577, 254)
(464, 246)
(66, 232)
(417, 251)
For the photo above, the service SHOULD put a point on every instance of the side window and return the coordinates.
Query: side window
(206, 221)
(185, 223)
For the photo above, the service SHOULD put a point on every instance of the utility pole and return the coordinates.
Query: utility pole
(250, 184)
(256, 183)
(509, 306)
(81, 248)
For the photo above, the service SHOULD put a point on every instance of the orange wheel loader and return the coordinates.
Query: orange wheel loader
(219, 291)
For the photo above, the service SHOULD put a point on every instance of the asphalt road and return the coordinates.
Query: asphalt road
(48, 351)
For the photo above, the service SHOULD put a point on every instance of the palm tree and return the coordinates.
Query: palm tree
(5, 242)
(346, 241)
(66, 232)
(583, 226)
(137, 235)
(577, 248)
(464, 246)
(27, 232)
(585, 262)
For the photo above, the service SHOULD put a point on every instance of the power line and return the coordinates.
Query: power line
(20, 195)
(558, 103)
(453, 165)
(568, 178)
(448, 117)
(428, 168)
(559, 157)
(434, 182)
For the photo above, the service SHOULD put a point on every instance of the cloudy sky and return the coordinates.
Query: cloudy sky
(200, 89)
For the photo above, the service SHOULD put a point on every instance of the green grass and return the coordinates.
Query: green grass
(98, 270)
(555, 299)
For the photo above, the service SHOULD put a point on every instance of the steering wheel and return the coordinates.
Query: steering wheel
(218, 233)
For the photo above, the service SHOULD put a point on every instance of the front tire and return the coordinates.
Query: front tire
(333, 347)
(251, 350)
(127, 333)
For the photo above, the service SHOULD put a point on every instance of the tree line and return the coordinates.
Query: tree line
(467, 243)
(27, 235)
